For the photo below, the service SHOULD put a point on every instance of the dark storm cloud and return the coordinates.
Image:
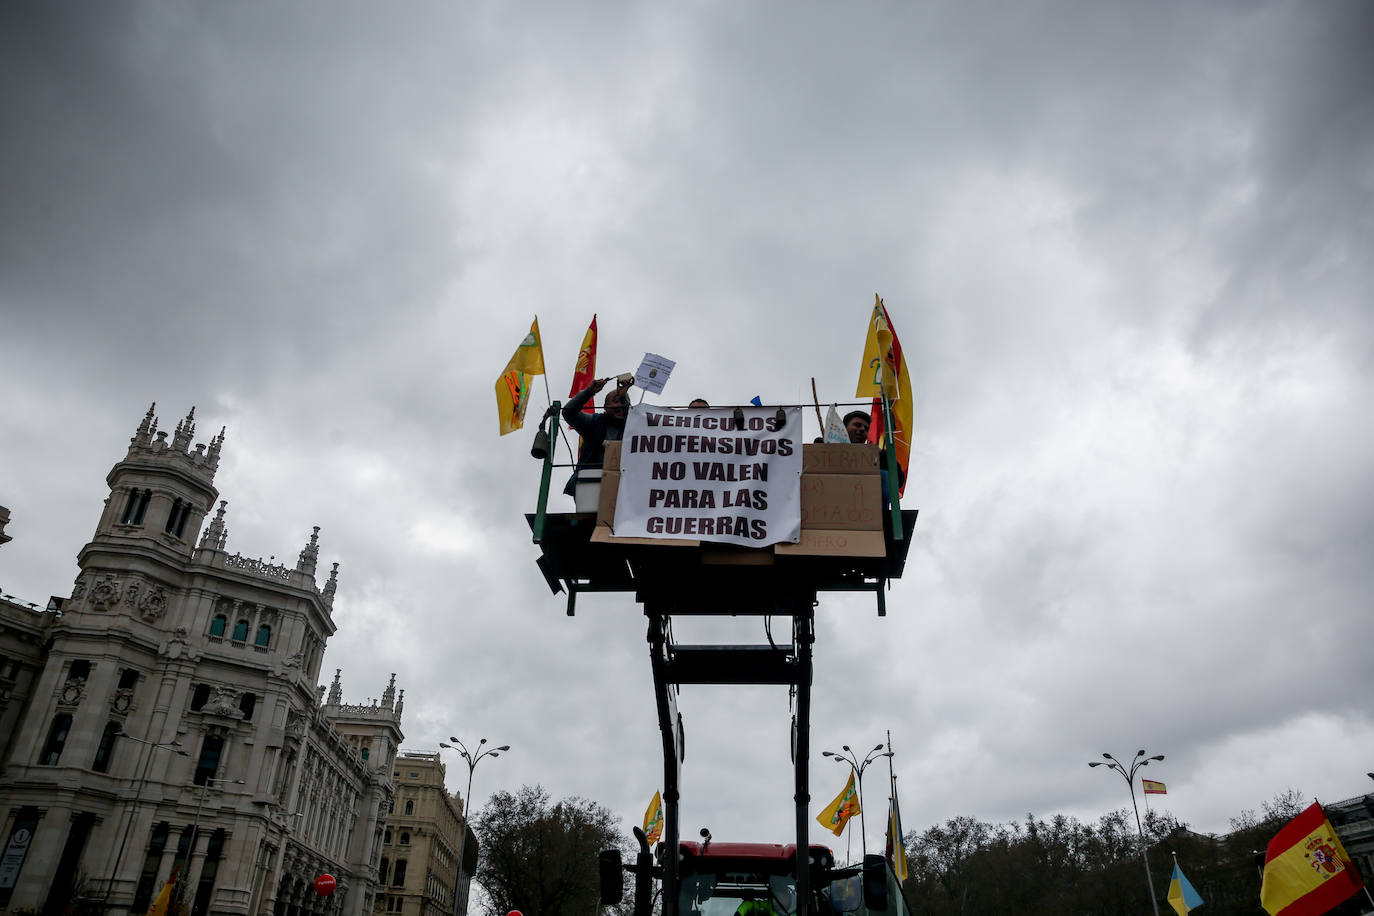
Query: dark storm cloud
(1123, 245)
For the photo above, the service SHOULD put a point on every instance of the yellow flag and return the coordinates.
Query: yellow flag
(884, 370)
(513, 387)
(653, 819)
(839, 811)
(879, 369)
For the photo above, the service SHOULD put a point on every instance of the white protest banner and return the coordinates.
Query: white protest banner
(653, 372)
(692, 474)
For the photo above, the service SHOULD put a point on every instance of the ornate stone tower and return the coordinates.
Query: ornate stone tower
(161, 491)
(176, 722)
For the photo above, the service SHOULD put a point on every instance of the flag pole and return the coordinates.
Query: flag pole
(891, 774)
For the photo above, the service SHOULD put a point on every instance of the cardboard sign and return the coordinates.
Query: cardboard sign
(693, 474)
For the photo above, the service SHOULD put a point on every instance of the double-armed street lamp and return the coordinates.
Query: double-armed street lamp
(1128, 774)
(173, 746)
(472, 761)
(853, 763)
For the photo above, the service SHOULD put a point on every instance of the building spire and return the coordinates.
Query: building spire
(310, 555)
(212, 455)
(336, 689)
(181, 440)
(216, 534)
(143, 436)
(400, 704)
(331, 586)
(389, 695)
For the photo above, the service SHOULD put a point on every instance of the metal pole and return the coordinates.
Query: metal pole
(472, 761)
(1140, 831)
(133, 807)
(1136, 764)
(863, 830)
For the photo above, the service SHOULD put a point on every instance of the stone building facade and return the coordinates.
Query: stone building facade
(167, 716)
(419, 871)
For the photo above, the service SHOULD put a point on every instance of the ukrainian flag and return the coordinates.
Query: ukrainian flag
(1182, 897)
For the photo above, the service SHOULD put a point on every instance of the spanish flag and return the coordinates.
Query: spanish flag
(653, 819)
(839, 811)
(513, 387)
(1153, 787)
(585, 373)
(164, 897)
(884, 370)
(1306, 870)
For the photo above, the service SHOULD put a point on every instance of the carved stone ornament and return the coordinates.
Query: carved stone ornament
(224, 702)
(72, 692)
(105, 594)
(78, 592)
(154, 603)
(131, 594)
(179, 645)
(123, 700)
(290, 666)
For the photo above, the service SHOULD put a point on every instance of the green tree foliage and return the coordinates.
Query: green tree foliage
(1038, 867)
(540, 857)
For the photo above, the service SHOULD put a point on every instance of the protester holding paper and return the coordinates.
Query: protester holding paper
(596, 429)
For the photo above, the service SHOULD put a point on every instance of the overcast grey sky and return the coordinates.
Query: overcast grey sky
(1125, 245)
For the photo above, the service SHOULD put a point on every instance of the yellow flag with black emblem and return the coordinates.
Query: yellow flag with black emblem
(513, 387)
(839, 811)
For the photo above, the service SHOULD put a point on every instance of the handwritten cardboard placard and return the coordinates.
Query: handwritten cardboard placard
(695, 474)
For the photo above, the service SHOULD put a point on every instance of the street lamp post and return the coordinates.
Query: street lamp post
(1128, 774)
(200, 803)
(472, 761)
(853, 763)
(173, 746)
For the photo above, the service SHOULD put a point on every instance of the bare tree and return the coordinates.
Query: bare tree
(540, 857)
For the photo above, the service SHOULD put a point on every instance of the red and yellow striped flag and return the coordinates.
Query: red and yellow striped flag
(1306, 870)
(585, 373)
(164, 896)
(1153, 787)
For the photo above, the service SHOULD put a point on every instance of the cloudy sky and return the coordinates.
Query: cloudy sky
(1121, 243)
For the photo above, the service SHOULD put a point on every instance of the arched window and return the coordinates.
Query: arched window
(240, 631)
(398, 877)
(387, 841)
(136, 507)
(218, 625)
(57, 739)
(405, 837)
(210, 751)
(410, 807)
(364, 753)
(106, 748)
(264, 636)
(171, 525)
